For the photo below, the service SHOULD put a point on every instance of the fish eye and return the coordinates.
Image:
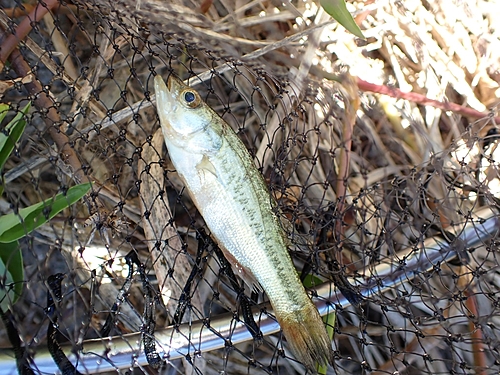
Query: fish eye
(191, 98)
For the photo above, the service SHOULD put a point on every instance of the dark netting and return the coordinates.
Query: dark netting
(384, 198)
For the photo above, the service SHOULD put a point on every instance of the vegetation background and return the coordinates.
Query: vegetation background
(371, 146)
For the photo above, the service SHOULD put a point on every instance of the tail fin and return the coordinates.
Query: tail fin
(306, 333)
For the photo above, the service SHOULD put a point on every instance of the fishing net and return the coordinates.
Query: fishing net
(392, 199)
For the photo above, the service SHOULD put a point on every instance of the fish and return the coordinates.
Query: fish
(232, 197)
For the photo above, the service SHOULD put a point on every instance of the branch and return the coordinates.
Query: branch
(423, 100)
(52, 119)
(23, 29)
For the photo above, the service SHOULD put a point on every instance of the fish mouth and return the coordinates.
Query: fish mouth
(170, 81)
(165, 101)
(167, 95)
(175, 85)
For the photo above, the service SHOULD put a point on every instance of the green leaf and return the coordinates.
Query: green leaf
(4, 108)
(14, 226)
(11, 274)
(338, 10)
(329, 319)
(11, 134)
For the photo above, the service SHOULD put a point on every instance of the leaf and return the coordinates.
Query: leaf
(338, 10)
(11, 274)
(4, 108)
(17, 225)
(11, 134)
(329, 319)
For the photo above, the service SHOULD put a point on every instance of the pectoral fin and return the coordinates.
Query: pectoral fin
(205, 165)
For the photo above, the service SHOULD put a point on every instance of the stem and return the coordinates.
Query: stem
(17, 11)
(52, 119)
(23, 29)
(351, 103)
(477, 335)
(423, 100)
(411, 96)
(42, 101)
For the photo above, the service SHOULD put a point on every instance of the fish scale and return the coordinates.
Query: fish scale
(233, 199)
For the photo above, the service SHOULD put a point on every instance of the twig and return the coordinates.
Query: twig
(52, 118)
(283, 42)
(42, 102)
(19, 11)
(411, 96)
(478, 351)
(24, 28)
(423, 100)
(351, 107)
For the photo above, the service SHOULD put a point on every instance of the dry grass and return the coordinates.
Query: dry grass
(360, 176)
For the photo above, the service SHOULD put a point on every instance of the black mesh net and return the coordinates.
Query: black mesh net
(392, 202)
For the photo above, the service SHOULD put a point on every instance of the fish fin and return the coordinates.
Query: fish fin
(206, 165)
(305, 332)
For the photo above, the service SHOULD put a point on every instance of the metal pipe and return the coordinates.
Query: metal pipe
(123, 352)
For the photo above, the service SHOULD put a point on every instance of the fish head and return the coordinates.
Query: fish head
(181, 110)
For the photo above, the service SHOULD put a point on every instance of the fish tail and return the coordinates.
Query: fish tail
(306, 334)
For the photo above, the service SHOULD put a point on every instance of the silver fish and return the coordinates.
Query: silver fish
(235, 203)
